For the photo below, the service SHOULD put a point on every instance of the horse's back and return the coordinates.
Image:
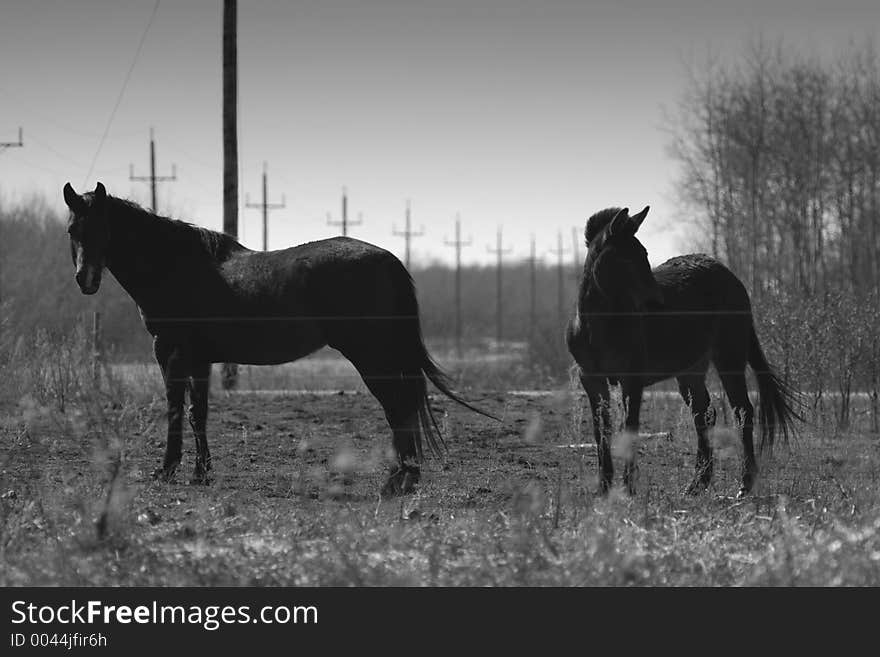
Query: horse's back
(697, 282)
(334, 253)
(336, 277)
(706, 310)
(336, 250)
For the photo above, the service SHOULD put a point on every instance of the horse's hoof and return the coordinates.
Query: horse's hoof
(401, 482)
(629, 481)
(201, 475)
(200, 479)
(748, 482)
(165, 472)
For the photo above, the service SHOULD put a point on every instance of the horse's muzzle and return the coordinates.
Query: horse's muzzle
(88, 279)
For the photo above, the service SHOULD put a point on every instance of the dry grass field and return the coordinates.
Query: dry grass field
(295, 499)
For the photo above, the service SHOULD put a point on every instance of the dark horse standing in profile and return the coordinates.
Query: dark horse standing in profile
(205, 298)
(636, 326)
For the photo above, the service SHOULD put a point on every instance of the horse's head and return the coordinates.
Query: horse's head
(617, 261)
(88, 228)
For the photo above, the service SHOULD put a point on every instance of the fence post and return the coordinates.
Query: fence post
(229, 376)
(96, 350)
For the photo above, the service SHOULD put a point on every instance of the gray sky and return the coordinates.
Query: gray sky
(531, 114)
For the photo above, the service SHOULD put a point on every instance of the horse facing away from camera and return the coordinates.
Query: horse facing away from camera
(205, 298)
(636, 326)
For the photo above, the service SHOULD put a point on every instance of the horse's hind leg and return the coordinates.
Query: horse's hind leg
(693, 390)
(198, 419)
(404, 477)
(734, 381)
(400, 402)
(400, 395)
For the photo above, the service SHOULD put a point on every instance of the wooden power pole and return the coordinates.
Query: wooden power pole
(457, 244)
(3, 146)
(230, 144)
(560, 301)
(500, 252)
(153, 178)
(407, 234)
(533, 292)
(266, 206)
(344, 222)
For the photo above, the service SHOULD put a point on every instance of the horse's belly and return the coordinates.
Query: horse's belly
(263, 341)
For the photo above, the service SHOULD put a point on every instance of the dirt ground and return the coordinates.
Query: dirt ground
(295, 500)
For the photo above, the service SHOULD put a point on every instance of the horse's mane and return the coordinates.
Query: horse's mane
(215, 244)
(597, 222)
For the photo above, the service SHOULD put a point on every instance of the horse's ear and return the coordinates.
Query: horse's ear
(637, 220)
(615, 227)
(100, 193)
(73, 200)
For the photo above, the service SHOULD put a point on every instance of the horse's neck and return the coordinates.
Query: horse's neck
(136, 258)
(592, 304)
(607, 323)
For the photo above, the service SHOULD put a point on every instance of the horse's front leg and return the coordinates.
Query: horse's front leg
(632, 402)
(596, 388)
(198, 420)
(175, 370)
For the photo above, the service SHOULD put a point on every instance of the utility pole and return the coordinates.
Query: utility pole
(575, 249)
(559, 252)
(457, 244)
(13, 144)
(266, 206)
(533, 287)
(500, 252)
(153, 178)
(344, 222)
(3, 146)
(229, 377)
(407, 233)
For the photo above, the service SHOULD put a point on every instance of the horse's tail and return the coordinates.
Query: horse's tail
(778, 403)
(419, 361)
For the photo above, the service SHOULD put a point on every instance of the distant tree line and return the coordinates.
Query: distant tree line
(37, 290)
(780, 160)
(780, 175)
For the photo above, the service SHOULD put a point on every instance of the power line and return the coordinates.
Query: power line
(41, 117)
(266, 206)
(122, 90)
(13, 144)
(55, 151)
